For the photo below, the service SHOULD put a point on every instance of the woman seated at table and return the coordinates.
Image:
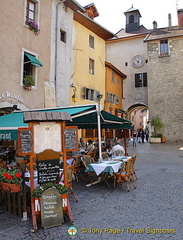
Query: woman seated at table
(115, 148)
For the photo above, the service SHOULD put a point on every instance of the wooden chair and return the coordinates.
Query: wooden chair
(77, 171)
(125, 175)
(104, 155)
(87, 159)
(70, 174)
(133, 163)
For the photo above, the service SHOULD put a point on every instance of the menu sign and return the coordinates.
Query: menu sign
(48, 171)
(70, 135)
(51, 208)
(24, 141)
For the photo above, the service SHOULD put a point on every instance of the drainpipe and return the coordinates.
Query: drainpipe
(56, 47)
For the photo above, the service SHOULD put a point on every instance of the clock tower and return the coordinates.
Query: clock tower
(132, 19)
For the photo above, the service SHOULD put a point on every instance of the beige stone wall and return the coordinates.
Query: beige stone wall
(166, 87)
(16, 37)
(121, 52)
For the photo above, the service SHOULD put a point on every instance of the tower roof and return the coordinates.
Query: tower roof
(132, 9)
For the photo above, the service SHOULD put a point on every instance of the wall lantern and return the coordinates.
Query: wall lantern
(74, 96)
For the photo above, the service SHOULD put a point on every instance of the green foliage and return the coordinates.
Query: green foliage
(28, 81)
(11, 175)
(40, 189)
(157, 123)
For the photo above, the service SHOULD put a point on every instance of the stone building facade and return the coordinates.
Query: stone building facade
(165, 71)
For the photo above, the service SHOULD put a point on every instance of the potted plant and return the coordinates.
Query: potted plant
(28, 82)
(10, 179)
(33, 26)
(37, 193)
(158, 125)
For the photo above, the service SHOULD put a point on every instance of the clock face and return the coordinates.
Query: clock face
(138, 61)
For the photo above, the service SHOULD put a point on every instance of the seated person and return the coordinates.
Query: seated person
(81, 144)
(115, 148)
(90, 146)
(109, 146)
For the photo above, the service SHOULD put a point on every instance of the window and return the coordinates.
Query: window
(91, 66)
(91, 94)
(112, 98)
(141, 80)
(91, 41)
(131, 19)
(32, 10)
(113, 80)
(30, 64)
(62, 36)
(164, 47)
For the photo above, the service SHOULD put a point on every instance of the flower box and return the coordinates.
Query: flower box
(11, 187)
(154, 140)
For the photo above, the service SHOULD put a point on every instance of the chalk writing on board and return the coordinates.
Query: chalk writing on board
(70, 138)
(26, 141)
(48, 171)
(51, 208)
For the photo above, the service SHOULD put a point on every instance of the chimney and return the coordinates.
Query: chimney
(155, 25)
(180, 17)
(169, 20)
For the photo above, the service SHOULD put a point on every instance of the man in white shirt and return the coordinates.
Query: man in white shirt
(115, 148)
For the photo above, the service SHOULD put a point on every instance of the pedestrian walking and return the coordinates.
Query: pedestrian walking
(135, 138)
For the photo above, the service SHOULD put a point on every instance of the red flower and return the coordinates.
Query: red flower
(18, 175)
(9, 177)
(5, 174)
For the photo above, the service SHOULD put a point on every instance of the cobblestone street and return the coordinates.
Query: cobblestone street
(152, 211)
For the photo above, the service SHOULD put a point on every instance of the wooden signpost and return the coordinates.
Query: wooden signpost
(47, 133)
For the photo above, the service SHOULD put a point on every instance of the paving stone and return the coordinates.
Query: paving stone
(156, 203)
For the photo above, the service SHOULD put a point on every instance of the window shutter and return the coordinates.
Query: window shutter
(109, 97)
(137, 80)
(84, 90)
(95, 95)
(144, 79)
(116, 99)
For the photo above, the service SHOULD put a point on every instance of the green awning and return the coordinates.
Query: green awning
(88, 120)
(8, 135)
(34, 60)
(83, 116)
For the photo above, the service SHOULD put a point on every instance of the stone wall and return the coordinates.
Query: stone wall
(165, 89)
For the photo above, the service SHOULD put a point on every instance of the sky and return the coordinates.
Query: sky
(111, 12)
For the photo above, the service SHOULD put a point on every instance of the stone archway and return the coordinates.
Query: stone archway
(138, 114)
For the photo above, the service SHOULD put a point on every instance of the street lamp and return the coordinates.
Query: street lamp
(74, 96)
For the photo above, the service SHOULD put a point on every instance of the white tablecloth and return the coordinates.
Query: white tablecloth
(120, 158)
(99, 167)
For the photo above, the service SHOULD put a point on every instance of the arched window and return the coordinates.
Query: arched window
(131, 19)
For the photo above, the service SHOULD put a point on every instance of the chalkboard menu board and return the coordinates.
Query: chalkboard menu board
(71, 138)
(48, 170)
(51, 208)
(24, 141)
